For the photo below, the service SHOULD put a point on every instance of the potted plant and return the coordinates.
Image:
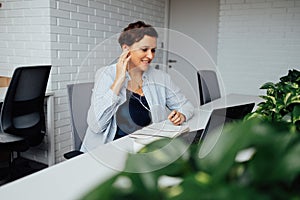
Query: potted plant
(282, 101)
(257, 158)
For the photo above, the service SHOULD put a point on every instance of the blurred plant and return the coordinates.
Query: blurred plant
(252, 160)
(282, 101)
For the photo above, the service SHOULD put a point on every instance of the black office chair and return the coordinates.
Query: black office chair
(209, 89)
(79, 100)
(22, 113)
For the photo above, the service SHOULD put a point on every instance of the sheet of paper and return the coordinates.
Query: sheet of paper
(162, 129)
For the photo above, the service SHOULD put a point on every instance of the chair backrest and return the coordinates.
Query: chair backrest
(79, 100)
(209, 89)
(23, 107)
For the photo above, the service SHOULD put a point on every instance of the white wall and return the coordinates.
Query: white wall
(259, 40)
(24, 34)
(192, 42)
(197, 19)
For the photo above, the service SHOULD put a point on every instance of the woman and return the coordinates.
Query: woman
(130, 94)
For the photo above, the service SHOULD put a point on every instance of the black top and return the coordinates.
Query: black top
(132, 115)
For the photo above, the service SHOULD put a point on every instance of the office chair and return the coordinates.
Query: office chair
(22, 112)
(79, 100)
(209, 89)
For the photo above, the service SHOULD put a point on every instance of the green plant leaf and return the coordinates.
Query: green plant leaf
(268, 85)
(270, 99)
(288, 168)
(296, 113)
(192, 189)
(287, 98)
(292, 76)
(295, 99)
(223, 154)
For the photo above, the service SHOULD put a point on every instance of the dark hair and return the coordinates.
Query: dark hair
(134, 32)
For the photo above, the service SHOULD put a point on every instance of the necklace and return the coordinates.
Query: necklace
(139, 88)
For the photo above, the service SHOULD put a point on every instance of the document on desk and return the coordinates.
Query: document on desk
(164, 129)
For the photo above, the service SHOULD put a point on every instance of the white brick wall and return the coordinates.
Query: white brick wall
(24, 34)
(259, 40)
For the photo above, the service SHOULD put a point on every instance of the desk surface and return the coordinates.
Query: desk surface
(73, 178)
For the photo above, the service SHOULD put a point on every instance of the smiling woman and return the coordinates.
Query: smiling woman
(131, 94)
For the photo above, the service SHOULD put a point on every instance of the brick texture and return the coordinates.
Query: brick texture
(258, 41)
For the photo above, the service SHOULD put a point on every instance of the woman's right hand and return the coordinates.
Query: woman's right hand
(122, 65)
(121, 71)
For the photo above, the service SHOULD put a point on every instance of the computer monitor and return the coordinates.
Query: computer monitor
(218, 118)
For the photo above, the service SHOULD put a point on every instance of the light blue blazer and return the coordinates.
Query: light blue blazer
(160, 93)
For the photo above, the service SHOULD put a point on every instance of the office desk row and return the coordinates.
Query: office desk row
(72, 178)
(49, 98)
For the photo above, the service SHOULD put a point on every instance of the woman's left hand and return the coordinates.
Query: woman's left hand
(177, 118)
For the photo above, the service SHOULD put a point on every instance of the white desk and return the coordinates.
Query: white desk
(73, 178)
(50, 123)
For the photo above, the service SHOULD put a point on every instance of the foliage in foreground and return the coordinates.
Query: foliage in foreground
(268, 169)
